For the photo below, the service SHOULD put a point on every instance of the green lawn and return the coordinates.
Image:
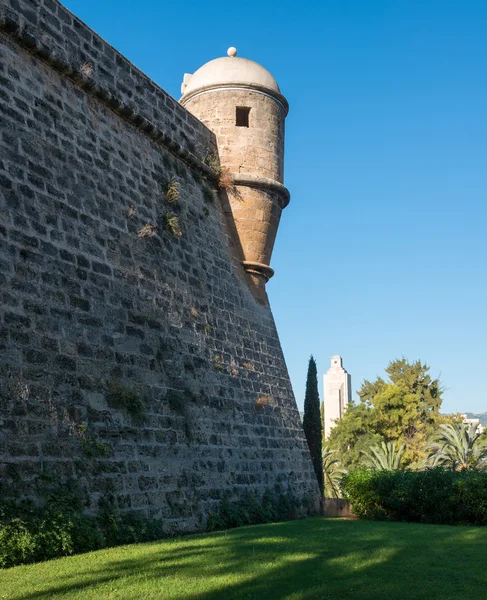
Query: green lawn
(317, 558)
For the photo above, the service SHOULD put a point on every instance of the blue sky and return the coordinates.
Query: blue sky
(382, 251)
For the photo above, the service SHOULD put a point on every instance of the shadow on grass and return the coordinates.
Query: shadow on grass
(300, 560)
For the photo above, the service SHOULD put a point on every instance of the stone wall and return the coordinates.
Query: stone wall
(337, 508)
(133, 355)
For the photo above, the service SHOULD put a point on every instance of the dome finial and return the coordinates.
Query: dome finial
(232, 51)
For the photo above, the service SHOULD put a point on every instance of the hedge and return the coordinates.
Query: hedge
(433, 496)
(31, 533)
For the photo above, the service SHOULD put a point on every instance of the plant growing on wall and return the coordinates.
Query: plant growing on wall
(120, 396)
(253, 508)
(208, 194)
(171, 223)
(218, 362)
(225, 179)
(147, 231)
(178, 401)
(172, 191)
(226, 183)
(263, 401)
(92, 447)
(213, 161)
(87, 69)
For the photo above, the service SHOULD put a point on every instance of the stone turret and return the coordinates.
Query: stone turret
(241, 103)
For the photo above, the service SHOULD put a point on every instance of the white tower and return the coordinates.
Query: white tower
(337, 386)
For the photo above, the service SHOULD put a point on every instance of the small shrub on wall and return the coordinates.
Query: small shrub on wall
(263, 401)
(433, 496)
(171, 223)
(120, 396)
(147, 231)
(172, 191)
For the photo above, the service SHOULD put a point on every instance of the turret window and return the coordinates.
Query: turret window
(242, 116)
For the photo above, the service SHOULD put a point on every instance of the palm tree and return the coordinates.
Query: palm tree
(332, 473)
(386, 457)
(458, 446)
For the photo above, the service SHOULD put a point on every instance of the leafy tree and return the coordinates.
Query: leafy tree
(386, 457)
(352, 434)
(312, 420)
(408, 407)
(332, 473)
(458, 446)
(405, 408)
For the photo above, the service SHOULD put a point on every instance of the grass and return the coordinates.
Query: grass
(320, 559)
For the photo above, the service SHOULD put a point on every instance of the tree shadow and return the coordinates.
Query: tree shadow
(300, 560)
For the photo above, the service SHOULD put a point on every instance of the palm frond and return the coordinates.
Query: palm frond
(332, 473)
(386, 457)
(457, 446)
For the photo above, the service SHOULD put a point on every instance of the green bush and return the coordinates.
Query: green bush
(17, 544)
(47, 534)
(252, 509)
(432, 496)
(126, 528)
(30, 533)
(59, 528)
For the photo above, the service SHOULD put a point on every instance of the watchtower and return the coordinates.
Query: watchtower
(241, 103)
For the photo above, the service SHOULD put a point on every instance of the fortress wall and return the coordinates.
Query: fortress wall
(85, 301)
(49, 29)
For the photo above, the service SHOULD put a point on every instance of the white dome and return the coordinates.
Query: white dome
(227, 71)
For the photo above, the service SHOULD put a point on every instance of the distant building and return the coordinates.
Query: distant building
(337, 389)
(468, 421)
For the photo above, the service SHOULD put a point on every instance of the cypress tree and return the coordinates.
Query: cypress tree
(312, 420)
(322, 423)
